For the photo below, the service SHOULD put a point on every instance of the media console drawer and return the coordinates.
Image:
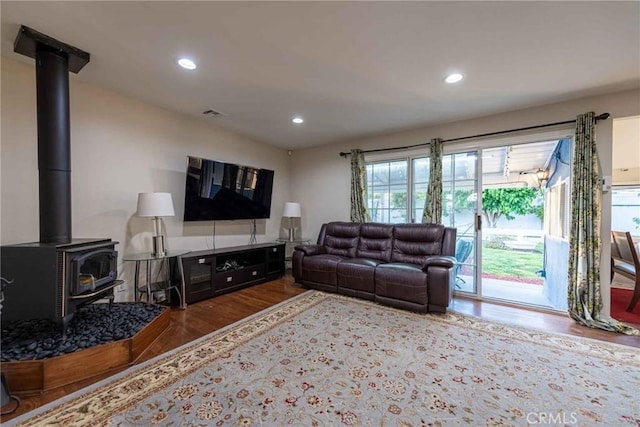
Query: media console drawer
(246, 266)
(232, 278)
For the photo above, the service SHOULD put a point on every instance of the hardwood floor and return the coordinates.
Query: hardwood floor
(541, 320)
(207, 316)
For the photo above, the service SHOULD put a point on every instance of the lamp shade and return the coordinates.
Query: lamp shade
(155, 204)
(292, 210)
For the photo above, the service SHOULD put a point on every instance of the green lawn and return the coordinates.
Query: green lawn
(504, 262)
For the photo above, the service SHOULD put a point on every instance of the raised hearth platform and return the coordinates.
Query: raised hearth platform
(27, 377)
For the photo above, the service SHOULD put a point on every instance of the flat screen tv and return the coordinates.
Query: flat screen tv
(225, 191)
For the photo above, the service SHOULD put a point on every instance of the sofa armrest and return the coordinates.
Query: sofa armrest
(299, 253)
(440, 281)
(310, 250)
(439, 261)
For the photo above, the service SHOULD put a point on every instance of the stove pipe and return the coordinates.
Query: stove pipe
(54, 145)
(54, 60)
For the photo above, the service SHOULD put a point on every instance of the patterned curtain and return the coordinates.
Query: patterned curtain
(358, 187)
(433, 204)
(584, 297)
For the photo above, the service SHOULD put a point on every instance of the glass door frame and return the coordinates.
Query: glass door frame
(479, 149)
(475, 230)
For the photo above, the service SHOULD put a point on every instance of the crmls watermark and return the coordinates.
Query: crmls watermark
(550, 418)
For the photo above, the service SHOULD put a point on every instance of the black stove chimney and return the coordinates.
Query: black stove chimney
(54, 60)
(54, 145)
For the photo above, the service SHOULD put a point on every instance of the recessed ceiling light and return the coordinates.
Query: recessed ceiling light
(454, 78)
(297, 120)
(187, 63)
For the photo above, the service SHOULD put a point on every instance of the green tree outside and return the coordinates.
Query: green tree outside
(509, 202)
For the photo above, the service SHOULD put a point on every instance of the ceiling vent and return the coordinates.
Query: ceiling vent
(212, 113)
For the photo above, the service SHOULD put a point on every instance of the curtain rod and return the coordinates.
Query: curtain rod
(603, 116)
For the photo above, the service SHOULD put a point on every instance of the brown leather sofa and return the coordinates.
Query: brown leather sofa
(407, 266)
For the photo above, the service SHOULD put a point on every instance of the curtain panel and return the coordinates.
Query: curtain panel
(584, 289)
(433, 203)
(359, 211)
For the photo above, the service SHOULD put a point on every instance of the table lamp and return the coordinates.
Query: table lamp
(156, 205)
(291, 210)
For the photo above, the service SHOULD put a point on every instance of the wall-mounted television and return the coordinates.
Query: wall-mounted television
(225, 191)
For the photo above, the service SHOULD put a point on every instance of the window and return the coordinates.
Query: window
(420, 170)
(459, 190)
(625, 209)
(557, 208)
(387, 184)
(388, 189)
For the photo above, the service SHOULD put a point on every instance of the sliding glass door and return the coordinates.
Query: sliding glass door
(496, 197)
(459, 209)
(396, 193)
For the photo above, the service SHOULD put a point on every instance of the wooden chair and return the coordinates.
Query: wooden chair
(624, 261)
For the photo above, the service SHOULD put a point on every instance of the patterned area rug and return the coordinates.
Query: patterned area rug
(322, 359)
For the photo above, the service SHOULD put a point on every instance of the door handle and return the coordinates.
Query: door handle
(478, 222)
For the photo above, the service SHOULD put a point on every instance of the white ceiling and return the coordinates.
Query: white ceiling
(352, 69)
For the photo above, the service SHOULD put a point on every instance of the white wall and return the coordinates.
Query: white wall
(626, 151)
(320, 178)
(120, 147)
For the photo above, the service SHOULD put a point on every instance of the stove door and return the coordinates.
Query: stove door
(92, 270)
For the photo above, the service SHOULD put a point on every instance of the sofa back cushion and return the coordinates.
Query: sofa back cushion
(341, 238)
(412, 242)
(376, 241)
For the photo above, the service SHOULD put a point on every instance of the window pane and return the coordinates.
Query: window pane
(375, 214)
(447, 203)
(464, 166)
(446, 168)
(388, 191)
(397, 216)
(420, 169)
(380, 174)
(417, 214)
(398, 197)
(398, 173)
(377, 200)
(470, 160)
(625, 210)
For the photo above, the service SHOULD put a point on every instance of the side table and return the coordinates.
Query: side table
(289, 246)
(150, 288)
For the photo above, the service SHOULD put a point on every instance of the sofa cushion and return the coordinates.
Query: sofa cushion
(401, 281)
(357, 273)
(321, 268)
(376, 241)
(341, 238)
(413, 242)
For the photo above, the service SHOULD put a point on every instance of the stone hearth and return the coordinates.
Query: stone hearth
(36, 357)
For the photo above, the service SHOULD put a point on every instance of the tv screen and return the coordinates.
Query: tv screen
(224, 191)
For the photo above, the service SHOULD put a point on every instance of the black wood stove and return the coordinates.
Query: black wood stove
(54, 276)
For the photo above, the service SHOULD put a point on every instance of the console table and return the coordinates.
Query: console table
(214, 272)
(150, 287)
